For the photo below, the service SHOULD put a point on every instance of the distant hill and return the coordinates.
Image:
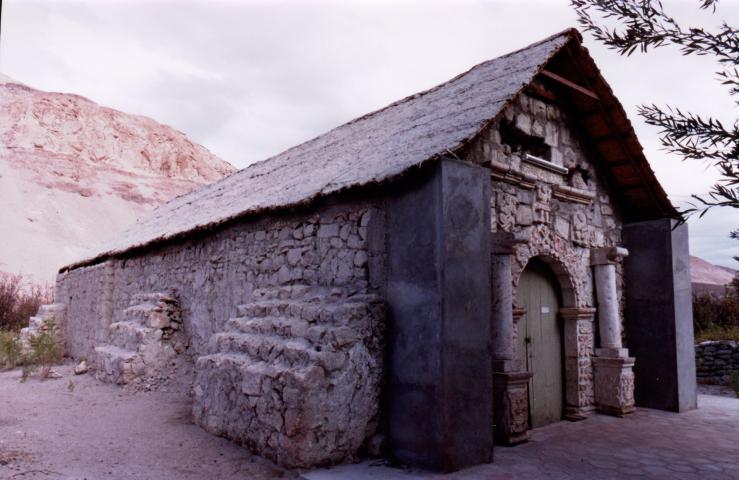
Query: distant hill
(707, 277)
(73, 172)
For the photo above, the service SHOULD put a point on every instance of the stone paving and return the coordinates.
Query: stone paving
(700, 444)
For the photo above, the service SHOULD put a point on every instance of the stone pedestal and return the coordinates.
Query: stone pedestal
(511, 407)
(578, 351)
(614, 385)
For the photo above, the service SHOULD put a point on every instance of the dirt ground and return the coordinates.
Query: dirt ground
(76, 428)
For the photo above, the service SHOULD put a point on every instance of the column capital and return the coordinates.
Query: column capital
(503, 242)
(607, 255)
(578, 313)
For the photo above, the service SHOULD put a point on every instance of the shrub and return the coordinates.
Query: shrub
(10, 350)
(717, 318)
(19, 300)
(45, 351)
(717, 333)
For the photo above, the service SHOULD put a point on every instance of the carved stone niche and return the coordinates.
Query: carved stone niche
(542, 203)
(506, 211)
(581, 233)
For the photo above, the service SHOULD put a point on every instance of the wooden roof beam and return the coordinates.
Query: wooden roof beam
(540, 93)
(607, 138)
(596, 111)
(650, 193)
(562, 80)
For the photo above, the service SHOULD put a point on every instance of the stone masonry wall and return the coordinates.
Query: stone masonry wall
(284, 316)
(85, 291)
(716, 361)
(214, 274)
(563, 216)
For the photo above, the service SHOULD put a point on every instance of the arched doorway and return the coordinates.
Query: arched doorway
(540, 349)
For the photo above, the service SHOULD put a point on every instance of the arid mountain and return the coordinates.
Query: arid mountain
(707, 277)
(73, 172)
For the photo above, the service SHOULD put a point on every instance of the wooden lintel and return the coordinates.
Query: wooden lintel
(570, 84)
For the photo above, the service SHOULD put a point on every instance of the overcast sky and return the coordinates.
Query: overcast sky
(249, 79)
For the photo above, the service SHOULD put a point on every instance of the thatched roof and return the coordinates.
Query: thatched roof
(374, 148)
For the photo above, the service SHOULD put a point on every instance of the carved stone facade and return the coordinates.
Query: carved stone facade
(561, 207)
(579, 340)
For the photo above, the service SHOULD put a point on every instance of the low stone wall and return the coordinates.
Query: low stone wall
(716, 360)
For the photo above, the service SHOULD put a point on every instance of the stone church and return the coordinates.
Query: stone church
(441, 275)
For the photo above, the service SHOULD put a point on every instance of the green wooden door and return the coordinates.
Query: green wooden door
(540, 343)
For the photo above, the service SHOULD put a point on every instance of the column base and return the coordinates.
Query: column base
(576, 414)
(614, 385)
(612, 352)
(511, 407)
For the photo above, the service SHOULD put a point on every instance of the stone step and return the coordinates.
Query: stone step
(117, 365)
(282, 292)
(51, 310)
(35, 323)
(148, 316)
(131, 335)
(248, 373)
(151, 298)
(279, 308)
(342, 313)
(274, 349)
(278, 326)
(292, 327)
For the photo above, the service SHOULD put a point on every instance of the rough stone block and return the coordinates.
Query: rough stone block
(315, 386)
(614, 385)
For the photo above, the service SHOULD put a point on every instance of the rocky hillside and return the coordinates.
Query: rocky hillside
(73, 172)
(707, 277)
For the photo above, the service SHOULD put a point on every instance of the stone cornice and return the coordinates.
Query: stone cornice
(578, 313)
(572, 194)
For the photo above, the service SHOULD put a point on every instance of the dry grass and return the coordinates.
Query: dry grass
(718, 333)
(19, 300)
(717, 317)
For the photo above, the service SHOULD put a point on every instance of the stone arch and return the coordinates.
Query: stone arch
(564, 278)
(570, 295)
(577, 335)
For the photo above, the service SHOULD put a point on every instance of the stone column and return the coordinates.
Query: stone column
(613, 368)
(510, 394)
(579, 343)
